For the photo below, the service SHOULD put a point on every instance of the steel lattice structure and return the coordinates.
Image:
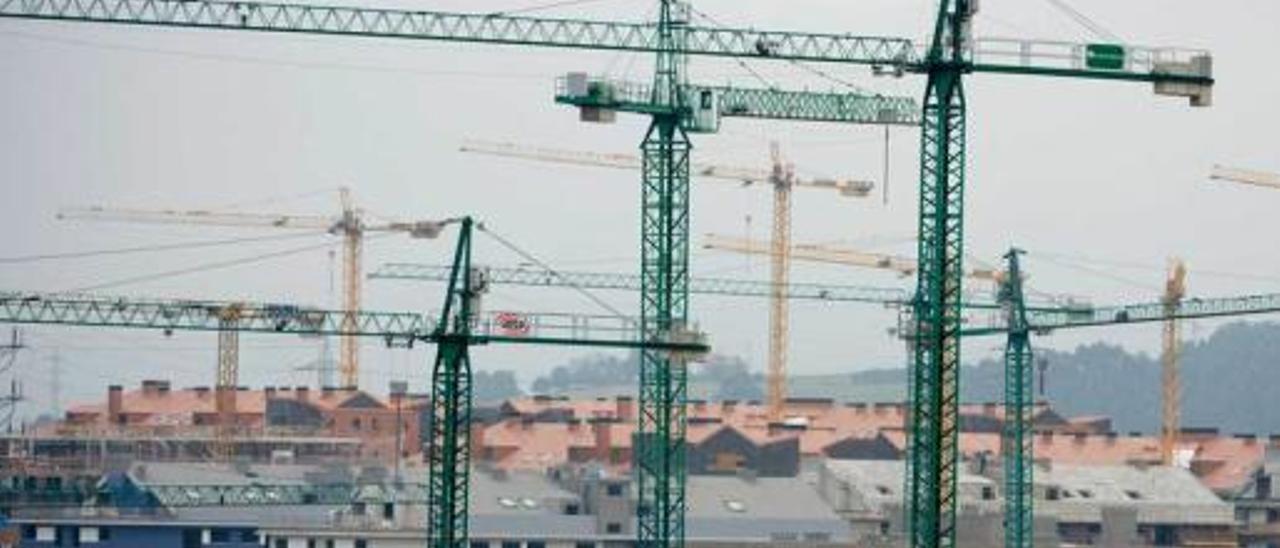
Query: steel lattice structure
(945, 60)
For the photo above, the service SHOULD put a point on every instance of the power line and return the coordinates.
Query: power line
(206, 267)
(1083, 20)
(543, 265)
(543, 6)
(150, 248)
(251, 60)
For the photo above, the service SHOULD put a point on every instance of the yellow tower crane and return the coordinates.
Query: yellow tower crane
(1175, 289)
(349, 224)
(834, 254)
(781, 177)
(1246, 176)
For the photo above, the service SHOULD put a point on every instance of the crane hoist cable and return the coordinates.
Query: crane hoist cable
(528, 256)
(151, 248)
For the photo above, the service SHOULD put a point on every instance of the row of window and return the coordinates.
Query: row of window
(517, 544)
(316, 543)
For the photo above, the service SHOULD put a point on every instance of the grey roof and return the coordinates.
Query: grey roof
(1160, 494)
(523, 504)
(880, 482)
(727, 507)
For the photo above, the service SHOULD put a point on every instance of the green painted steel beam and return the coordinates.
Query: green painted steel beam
(935, 398)
(1191, 309)
(496, 29)
(395, 328)
(197, 315)
(449, 424)
(714, 287)
(483, 28)
(1017, 451)
(738, 102)
(1087, 74)
(725, 287)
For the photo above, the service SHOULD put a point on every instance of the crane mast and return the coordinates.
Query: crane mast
(951, 54)
(783, 180)
(351, 228)
(1170, 369)
(349, 225)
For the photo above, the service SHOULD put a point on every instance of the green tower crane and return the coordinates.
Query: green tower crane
(1019, 409)
(455, 331)
(951, 54)
(1018, 323)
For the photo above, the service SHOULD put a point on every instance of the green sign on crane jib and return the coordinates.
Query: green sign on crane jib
(1104, 56)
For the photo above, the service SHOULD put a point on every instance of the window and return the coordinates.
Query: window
(249, 535)
(104, 534)
(1051, 493)
(584, 545)
(355, 423)
(362, 543)
(508, 544)
(282, 543)
(613, 528)
(479, 544)
(571, 509)
(1273, 515)
(535, 544)
(1133, 495)
(311, 543)
(988, 492)
(328, 543)
(388, 510)
(613, 490)
(29, 532)
(373, 424)
(220, 536)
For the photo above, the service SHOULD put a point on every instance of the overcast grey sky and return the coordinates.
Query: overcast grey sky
(1084, 175)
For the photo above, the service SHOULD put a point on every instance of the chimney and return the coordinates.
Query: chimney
(1080, 437)
(477, 440)
(1275, 441)
(727, 406)
(302, 393)
(1111, 438)
(115, 402)
(625, 408)
(859, 408)
(1249, 440)
(603, 431)
(397, 390)
(153, 387)
(1046, 437)
(989, 409)
(269, 391)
